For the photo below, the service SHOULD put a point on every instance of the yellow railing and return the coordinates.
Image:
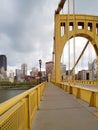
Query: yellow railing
(18, 113)
(87, 82)
(87, 94)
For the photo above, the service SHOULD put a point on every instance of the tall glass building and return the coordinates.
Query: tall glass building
(3, 62)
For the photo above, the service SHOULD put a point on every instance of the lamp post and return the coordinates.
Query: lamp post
(40, 74)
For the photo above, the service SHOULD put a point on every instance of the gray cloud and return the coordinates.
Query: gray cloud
(82, 7)
(26, 29)
(87, 7)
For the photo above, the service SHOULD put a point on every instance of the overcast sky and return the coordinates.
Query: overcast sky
(26, 29)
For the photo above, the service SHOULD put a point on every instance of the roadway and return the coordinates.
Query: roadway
(59, 110)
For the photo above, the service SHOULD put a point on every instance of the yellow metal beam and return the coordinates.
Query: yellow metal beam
(80, 55)
(60, 6)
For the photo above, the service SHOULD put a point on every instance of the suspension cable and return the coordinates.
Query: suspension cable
(68, 44)
(74, 50)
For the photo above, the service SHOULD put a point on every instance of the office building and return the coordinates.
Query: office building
(18, 75)
(84, 75)
(62, 69)
(49, 67)
(94, 69)
(34, 72)
(24, 69)
(3, 62)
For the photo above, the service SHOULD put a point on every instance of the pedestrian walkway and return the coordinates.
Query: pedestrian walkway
(59, 110)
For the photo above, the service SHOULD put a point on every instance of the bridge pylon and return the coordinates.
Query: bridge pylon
(81, 25)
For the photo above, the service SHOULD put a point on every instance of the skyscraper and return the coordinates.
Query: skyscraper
(24, 69)
(49, 67)
(3, 62)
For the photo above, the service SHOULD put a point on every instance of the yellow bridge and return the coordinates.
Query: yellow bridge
(73, 105)
(18, 113)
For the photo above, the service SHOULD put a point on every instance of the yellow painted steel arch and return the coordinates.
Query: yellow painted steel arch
(79, 25)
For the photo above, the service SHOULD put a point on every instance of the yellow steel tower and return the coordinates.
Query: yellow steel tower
(89, 30)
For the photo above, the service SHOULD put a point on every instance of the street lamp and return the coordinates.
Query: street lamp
(40, 74)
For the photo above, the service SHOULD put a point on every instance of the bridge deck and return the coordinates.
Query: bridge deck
(59, 110)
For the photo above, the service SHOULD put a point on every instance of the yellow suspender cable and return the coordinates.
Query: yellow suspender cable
(68, 45)
(74, 50)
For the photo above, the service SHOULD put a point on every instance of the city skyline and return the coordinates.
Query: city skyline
(89, 72)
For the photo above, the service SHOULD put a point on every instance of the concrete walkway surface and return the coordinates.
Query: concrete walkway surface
(59, 110)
